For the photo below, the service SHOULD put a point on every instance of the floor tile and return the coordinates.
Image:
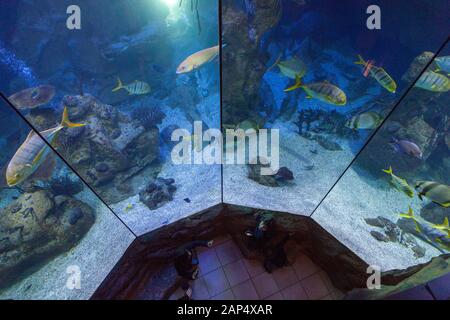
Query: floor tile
(227, 295)
(276, 296)
(315, 287)
(228, 252)
(295, 292)
(265, 285)
(216, 282)
(208, 261)
(327, 281)
(285, 277)
(199, 290)
(236, 272)
(254, 267)
(221, 239)
(245, 291)
(304, 267)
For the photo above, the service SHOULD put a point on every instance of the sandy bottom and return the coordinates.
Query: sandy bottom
(353, 199)
(198, 188)
(95, 255)
(308, 187)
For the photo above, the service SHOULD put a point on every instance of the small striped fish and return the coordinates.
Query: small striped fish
(32, 153)
(134, 88)
(436, 192)
(379, 74)
(433, 81)
(443, 64)
(323, 91)
(400, 184)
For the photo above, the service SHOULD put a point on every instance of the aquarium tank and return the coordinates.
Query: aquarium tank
(131, 75)
(107, 108)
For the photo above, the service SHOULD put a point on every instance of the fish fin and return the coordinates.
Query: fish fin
(66, 123)
(360, 60)
(388, 171)
(445, 225)
(409, 214)
(298, 84)
(448, 234)
(276, 62)
(445, 205)
(420, 196)
(32, 133)
(119, 85)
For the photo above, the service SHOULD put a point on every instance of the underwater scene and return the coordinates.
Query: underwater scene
(392, 207)
(136, 71)
(316, 73)
(57, 239)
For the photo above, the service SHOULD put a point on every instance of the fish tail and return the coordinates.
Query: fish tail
(119, 85)
(360, 60)
(298, 84)
(409, 214)
(66, 123)
(276, 62)
(388, 171)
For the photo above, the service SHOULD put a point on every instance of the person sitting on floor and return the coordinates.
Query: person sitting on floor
(186, 260)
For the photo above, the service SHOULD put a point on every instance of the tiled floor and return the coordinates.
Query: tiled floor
(226, 275)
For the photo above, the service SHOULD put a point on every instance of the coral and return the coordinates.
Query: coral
(148, 117)
(157, 193)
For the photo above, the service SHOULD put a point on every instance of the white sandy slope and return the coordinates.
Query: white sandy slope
(95, 255)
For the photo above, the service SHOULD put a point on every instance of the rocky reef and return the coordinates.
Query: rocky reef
(112, 148)
(281, 177)
(158, 192)
(36, 227)
(243, 67)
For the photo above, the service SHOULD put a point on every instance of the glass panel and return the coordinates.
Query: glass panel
(398, 219)
(57, 239)
(119, 75)
(315, 72)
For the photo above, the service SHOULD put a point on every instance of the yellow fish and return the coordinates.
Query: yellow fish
(433, 81)
(134, 88)
(444, 226)
(366, 120)
(400, 184)
(198, 59)
(378, 74)
(32, 153)
(410, 215)
(436, 192)
(290, 68)
(323, 91)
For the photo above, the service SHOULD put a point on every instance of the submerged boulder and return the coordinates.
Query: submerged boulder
(157, 193)
(35, 228)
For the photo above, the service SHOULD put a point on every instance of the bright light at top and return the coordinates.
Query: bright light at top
(171, 3)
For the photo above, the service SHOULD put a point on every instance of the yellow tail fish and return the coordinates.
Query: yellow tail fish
(32, 153)
(134, 88)
(437, 192)
(323, 91)
(290, 68)
(433, 81)
(400, 184)
(379, 74)
(198, 59)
